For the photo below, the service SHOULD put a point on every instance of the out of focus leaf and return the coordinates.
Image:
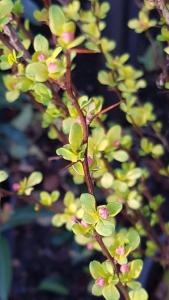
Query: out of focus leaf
(22, 216)
(23, 120)
(55, 285)
(149, 60)
(61, 239)
(5, 269)
(3, 175)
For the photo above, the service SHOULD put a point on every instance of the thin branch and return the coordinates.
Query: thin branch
(150, 232)
(72, 97)
(161, 6)
(15, 42)
(150, 199)
(5, 41)
(106, 253)
(105, 110)
(47, 3)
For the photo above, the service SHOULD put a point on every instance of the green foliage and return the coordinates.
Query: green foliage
(27, 184)
(41, 44)
(139, 294)
(37, 71)
(72, 210)
(5, 269)
(104, 273)
(143, 22)
(55, 285)
(3, 176)
(47, 199)
(118, 163)
(56, 19)
(75, 136)
(102, 216)
(147, 147)
(6, 7)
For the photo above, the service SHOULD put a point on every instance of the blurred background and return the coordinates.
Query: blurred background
(45, 263)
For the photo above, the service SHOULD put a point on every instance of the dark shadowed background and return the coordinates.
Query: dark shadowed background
(44, 258)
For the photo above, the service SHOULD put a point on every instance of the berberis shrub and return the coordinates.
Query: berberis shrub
(116, 211)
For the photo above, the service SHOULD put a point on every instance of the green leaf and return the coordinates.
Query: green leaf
(106, 78)
(110, 292)
(140, 294)
(45, 199)
(75, 136)
(69, 199)
(133, 238)
(24, 118)
(54, 285)
(96, 269)
(136, 268)
(114, 134)
(88, 202)
(3, 176)
(11, 96)
(67, 154)
(37, 71)
(58, 220)
(134, 174)
(76, 42)
(79, 230)
(5, 269)
(89, 205)
(55, 196)
(34, 178)
(56, 52)
(40, 43)
(107, 180)
(56, 19)
(5, 8)
(134, 285)
(41, 15)
(25, 215)
(105, 228)
(114, 208)
(44, 95)
(78, 168)
(97, 290)
(120, 155)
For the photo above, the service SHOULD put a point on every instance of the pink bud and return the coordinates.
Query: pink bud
(67, 36)
(8, 207)
(89, 246)
(121, 200)
(103, 212)
(90, 160)
(84, 224)
(125, 268)
(74, 220)
(52, 67)
(100, 282)
(41, 57)
(120, 250)
(116, 143)
(15, 186)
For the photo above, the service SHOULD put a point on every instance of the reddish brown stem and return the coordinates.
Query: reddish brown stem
(47, 3)
(15, 42)
(72, 97)
(150, 199)
(105, 110)
(106, 253)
